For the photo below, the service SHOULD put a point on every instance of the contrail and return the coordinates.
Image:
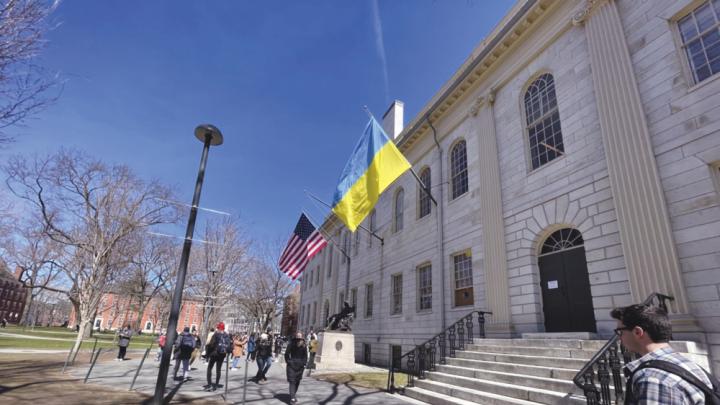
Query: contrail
(380, 46)
(190, 206)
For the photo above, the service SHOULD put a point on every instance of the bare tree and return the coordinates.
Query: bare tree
(219, 267)
(93, 210)
(263, 294)
(24, 85)
(150, 270)
(36, 255)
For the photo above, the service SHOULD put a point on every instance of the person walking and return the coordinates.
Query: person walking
(209, 336)
(263, 354)
(278, 348)
(184, 346)
(123, 342)
(312, 348)
(296, 357)
(660, 375)
(219, 346)
(198, 344)
(238, 349)
(251, 348)
(162, 339)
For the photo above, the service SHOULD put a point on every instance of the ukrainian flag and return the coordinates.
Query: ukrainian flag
(375, 163)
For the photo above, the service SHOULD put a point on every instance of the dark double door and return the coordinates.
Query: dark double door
(567, 301)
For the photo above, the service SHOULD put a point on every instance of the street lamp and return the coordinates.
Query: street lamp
(208, 135)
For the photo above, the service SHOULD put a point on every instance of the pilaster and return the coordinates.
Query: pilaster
(495, 259)
(649, 251)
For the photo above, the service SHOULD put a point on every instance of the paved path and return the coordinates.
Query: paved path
(274, 391)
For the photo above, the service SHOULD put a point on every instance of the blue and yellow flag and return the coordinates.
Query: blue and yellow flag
(375, 163)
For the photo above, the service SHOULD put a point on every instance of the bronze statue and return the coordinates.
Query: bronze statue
(342, 320)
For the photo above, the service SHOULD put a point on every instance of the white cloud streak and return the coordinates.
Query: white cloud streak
(380, 46)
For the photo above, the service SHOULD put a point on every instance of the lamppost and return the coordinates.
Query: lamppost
(208, 135)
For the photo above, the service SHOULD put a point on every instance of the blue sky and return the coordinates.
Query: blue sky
(285, 81)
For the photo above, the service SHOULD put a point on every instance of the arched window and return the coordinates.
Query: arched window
(562, 240)
(399, 210)
(424, 198)
(543, 121)
(458, 169)
(148, 325)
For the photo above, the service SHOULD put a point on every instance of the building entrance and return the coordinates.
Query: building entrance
(567, 301)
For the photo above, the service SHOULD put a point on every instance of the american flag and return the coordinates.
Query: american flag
(305, 242)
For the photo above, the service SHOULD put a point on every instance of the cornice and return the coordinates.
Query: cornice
(480, 102)
(485, 58)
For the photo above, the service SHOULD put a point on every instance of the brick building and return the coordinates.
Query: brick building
(12, 295)
(575, 160)
(116, 311)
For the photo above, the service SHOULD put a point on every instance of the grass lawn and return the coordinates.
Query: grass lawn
(62, 338)
(377, 381)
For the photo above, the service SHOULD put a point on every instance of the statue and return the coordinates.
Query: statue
(342, 320)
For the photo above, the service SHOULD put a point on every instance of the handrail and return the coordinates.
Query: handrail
(608, 364)
(426, 352)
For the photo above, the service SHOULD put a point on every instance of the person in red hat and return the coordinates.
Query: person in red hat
(217, 349)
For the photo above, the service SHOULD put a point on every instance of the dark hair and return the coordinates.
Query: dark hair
(653, 319)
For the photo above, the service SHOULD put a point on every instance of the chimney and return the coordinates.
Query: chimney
(18, 272)
(393, 119)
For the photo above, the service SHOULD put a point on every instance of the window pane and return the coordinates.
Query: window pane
(458, 169)
(704, 17)
(396, 294)
(425, 287)
(424, 198)
(399, 207)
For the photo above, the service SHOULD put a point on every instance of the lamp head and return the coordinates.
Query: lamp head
(216, 137)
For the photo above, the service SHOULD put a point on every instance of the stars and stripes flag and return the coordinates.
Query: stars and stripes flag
(305, 242)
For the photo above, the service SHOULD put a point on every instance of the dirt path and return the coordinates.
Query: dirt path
(36, 378)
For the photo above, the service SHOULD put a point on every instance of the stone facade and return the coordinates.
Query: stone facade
(638, 178)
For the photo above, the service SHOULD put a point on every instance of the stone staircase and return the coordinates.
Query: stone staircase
(509, 371)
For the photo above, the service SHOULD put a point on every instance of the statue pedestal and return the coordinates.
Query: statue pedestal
(335, 350)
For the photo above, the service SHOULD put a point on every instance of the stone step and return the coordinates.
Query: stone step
(532, 394)
(544, 361)
(593, 345)
(552, 384)
(539, 371)
(438, 393)
(534, 351)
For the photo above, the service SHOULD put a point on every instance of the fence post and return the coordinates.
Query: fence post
(92, 365)
(70, 352)
(137, 372)
(93, 350)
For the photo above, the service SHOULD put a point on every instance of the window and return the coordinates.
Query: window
(396, 285)
(458, 169)
(425, 287)
(331, 257)
(563, 239)
(715, 174)
(700, 36)
(148, 325)
(396, 351)
(341, 301)
(423, 197)
(357, 242)
(313, 313)
(346, 246)
(367, 354)
(372, 227)
(462, 264)
(368, 300)
(353, 298)
(317, 275)
(543, 121)
(399, 208)
(326, 312)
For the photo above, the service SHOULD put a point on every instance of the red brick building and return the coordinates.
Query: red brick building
(118, 310)
(12, 295)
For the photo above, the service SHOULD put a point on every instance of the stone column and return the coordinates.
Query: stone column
(495, 258)
(648, 248)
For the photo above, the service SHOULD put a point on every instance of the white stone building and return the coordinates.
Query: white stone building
(575, 160)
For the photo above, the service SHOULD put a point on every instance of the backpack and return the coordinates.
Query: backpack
(712, 396)
(223, 344)
(187, 341)
(161, 340)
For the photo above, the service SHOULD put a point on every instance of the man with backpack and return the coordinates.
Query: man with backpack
(660, 375)
(220, 345)
(184, 346)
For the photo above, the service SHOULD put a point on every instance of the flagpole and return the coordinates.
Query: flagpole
(425, 188)
(382, 241)
(329, 238)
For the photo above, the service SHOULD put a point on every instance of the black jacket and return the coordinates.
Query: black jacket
(296, 357)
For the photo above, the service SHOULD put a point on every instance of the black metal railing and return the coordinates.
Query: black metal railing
(606, 366)
(425, 356)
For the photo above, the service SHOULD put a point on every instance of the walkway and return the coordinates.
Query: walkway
(274, 391)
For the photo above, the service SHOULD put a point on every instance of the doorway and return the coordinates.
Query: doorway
(565, 284)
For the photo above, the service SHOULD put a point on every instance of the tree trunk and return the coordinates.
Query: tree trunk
(26, 309)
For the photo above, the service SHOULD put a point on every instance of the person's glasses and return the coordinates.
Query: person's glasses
(619, 331)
